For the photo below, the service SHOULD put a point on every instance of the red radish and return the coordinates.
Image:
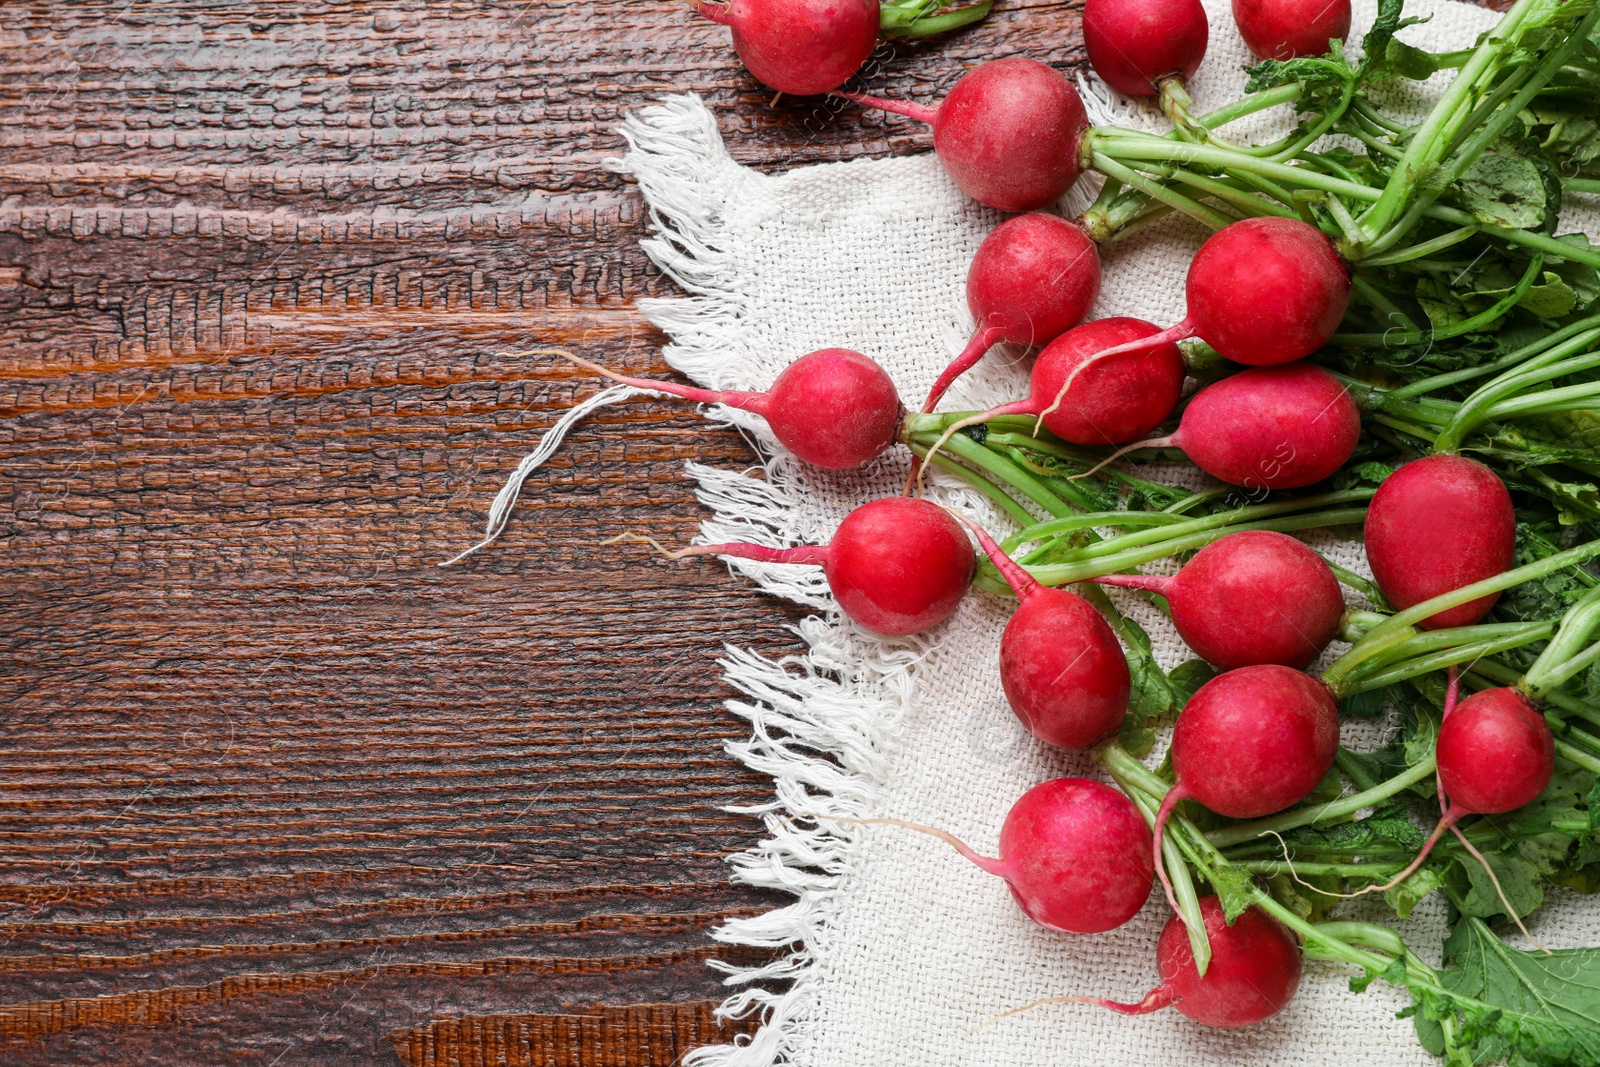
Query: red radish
(1266, 428)
(800, 47)
(1288, 29)
(834, 408)
(1075, 852)
(1254, 972)
(1115, 402)
(1135, 44)
(896, 566)
(1250, 598)
(1250, 742)
(1034, 277)
(1060, 664)
(1495, 753)
(1262, 292)
(1008, 134)
(1437, 524)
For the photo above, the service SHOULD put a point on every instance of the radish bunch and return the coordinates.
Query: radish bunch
(1294, 417)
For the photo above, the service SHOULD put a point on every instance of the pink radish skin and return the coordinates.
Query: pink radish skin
(1263, 292)
(1034, 277)
(1272, 427)
(1495, 753)
(1265, 428)
(1250, 742)
(1254, 972)
(1008, 134)
(1250, 598)
(1076, 854)
(1060, 663)
(835, 408)
(1134, 44)
(897, 565)
(1288, 29)
(800, 47)
(1437, 524)
(1112, 402)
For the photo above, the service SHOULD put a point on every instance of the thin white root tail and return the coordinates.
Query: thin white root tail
(1153, 442)
(642, 539)
(1501, 893)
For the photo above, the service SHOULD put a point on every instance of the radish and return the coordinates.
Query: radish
(1495, 753)
(800, 47)
(1034, 277)
(1254, 972)
(1250, 598)
(1250, 742)
(1134, 45)
(1060, 664)
(1116, 402)
(1264, 428)
(1262, 292)
(1075, 852)
(1437, 524)
(1008, 134)
(834, 408)
(1288, 29)
(897, 565)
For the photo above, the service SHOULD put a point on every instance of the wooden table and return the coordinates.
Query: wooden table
(274, 788)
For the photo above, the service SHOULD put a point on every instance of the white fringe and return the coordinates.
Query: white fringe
(822, 724)
(506, 499)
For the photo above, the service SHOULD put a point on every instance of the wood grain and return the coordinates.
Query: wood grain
(274, 789)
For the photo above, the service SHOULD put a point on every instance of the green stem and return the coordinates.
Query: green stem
(1547, 402)
(1438, 661)
(1425, 147)
(1333, 810)
(1564, 342)
(1477, 408)
(1248, 203)
(1183, 889)
(1057, 574)
(1127, 145)
(1018, 513)
(1578, 756)
(1425, 248)
(1154, 189)
(1396, 629)
(1476, 322)
(1554, 666)
(1371, 872)
(1247, 514)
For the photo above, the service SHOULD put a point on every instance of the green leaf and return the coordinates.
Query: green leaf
(1234, 889)
(1504, 187)
(1187, 677)
(1405, 896)
(1549, 298)
(1369, 704)
(1367, 475)
(1519, 879)
(1532, 1009)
